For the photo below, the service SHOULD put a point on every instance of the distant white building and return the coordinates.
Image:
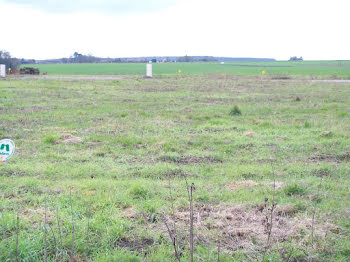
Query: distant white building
(149, 70)
(2, 71)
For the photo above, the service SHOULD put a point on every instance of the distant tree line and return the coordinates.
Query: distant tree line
(295, 58)
(27, 61)
(187, 58)
(10, 62)
(81, 58)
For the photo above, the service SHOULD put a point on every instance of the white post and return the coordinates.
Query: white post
(2, 71)
(149, 70)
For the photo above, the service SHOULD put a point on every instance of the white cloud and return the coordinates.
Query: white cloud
(98, 6)
(251, 28)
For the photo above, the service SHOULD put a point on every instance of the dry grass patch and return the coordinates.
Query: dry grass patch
(242, 184)
(239, 227)
(251, 183)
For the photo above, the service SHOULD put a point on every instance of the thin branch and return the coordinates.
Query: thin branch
(187, 188)
(71, 210)
(17, 233)
(313, 221)
(54, 239)
(172, 206)
(191, 221)
(173, 239)
(208, 258)
(218, 260)
(59, 228)
(45, 232)
(270, 223)
(6, 238)
(290, 254)
(87, 233)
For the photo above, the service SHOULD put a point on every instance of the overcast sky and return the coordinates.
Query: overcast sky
(314, 29)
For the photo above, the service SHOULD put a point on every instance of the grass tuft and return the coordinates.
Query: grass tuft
(295, 189)
(50, 139)
(235, 111)
(307, 124)
(139, 192)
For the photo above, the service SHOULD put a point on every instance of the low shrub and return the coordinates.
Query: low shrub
(235, 111)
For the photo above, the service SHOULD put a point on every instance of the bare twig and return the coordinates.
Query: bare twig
(173, 239)
(54, 239)
(172, 205)
(71, 210)
(313, 222)
(188, 189)
(290, 254)
(6, 238)
(208, 258)
(87, 233)
(17, 233)
(218, 251)
(59, 227)
(45, 232)
(270, 221)
(191, 221)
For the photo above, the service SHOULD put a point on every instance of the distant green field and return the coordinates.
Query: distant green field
(339, 69)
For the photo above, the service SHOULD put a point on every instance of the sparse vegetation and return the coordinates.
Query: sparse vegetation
(91, 170)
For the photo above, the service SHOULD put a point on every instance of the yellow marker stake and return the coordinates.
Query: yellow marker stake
(263, 72)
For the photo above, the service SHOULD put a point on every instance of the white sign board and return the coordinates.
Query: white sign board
(7, 148)
(2, 71)
(149, 70)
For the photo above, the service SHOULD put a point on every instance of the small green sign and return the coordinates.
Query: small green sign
(7, 148)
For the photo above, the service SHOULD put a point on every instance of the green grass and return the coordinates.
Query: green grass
(310, 68)
(139, 132)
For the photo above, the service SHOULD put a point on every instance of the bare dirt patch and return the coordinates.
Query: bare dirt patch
(249, 133)
(224, 77)
(322, 157)
(70, 77)
(165, 89)
(281, 77)
(129, 212)
(10, 172)
(186, 160)
(330, 158)
(277, 184)
(35, 109)
(36, 216)
(134, 244)
(69, 139)
(331, 80)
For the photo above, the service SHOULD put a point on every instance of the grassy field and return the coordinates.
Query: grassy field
(103, 163)
(335, 69)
